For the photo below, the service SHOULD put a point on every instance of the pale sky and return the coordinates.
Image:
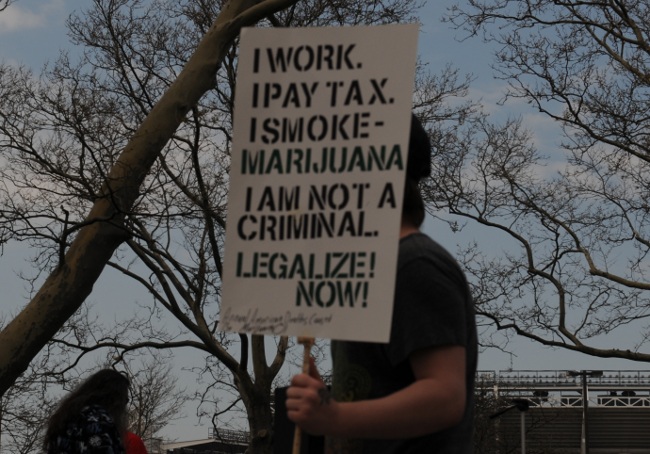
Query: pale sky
(33, 32)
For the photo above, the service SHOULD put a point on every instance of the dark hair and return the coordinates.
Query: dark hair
(418, 167)
(107, 388)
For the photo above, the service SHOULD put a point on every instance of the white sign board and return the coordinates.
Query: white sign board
(321, 127)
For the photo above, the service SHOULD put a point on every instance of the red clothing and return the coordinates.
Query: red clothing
(134, 444)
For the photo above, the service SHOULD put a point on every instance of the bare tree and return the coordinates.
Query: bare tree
(25, 407)
(120, 178)
(576, 220)
(112, 181)
(156, 398)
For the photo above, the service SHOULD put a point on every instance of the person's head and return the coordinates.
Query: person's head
(107, 388)
(418, 167)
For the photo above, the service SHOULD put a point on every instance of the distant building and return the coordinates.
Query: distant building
(618, 415)
(617, 411)
(221, 442)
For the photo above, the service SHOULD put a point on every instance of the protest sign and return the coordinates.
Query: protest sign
(321, 126)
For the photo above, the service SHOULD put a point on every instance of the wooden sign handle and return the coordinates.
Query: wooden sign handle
(307, 343)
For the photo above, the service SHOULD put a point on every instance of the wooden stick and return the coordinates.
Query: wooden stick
(307, 343)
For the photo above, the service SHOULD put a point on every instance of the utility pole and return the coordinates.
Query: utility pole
(583, 374)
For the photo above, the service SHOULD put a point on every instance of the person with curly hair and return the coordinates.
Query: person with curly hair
(92, 419)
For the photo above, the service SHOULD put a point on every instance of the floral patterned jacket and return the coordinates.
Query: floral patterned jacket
(93, 432)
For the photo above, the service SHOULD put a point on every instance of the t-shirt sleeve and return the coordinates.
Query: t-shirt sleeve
(430, 307)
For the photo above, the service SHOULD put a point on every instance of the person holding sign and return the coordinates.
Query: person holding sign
(415, 393)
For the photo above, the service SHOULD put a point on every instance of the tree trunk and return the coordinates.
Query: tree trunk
(260, 420)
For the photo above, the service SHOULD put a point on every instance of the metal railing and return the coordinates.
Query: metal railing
(555, 378)
(229, 436)
(552, 388)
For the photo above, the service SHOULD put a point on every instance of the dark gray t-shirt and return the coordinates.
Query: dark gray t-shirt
(433, 307)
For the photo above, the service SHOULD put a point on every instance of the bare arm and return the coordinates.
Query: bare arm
(435, 401)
